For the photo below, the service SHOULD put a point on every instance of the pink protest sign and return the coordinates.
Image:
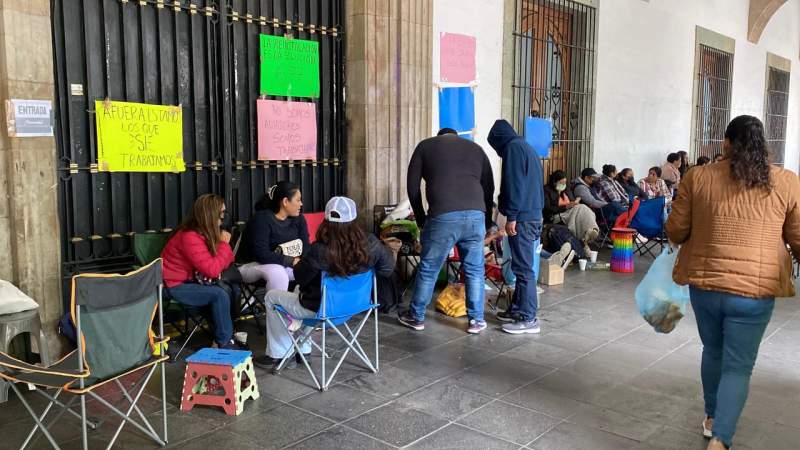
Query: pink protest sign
(456, 58)
(286, 130)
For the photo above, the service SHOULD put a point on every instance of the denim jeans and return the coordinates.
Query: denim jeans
(508, 274)
(523, 256)
(731, 328)
(278, 340)
(198, 295)
(465, 230)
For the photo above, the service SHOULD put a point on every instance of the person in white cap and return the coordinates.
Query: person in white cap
(342, 248)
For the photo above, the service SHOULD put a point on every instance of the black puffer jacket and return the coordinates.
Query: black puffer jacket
(551, 207)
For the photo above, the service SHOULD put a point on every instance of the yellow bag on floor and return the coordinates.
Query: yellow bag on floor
(452, 301)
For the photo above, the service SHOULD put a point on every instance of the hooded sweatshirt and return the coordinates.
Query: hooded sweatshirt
(522, 186)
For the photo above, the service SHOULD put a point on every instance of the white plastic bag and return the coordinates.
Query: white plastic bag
(661, 302)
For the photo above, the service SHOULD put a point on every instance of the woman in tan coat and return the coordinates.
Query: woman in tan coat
(734, 221)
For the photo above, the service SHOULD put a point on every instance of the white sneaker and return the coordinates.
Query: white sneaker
(568, 259)
(539, 291)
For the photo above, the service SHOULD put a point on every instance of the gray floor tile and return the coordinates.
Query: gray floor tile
(614, 422)
(509, 422)
(445, 399)
(500, 376)
(648, 338)
(445, 360)
(578, 437)
(221, 439)
(643, 404)
(390, 382)
(543, 400)
(577, 386)
(667, 384)
(415, 341)
(396, 424)
(570, 341)
(282, 387)
(279, 427)
(457, 437)
(339, 403)
(341, 437)
(672, 439)
(544, 354)
(495, 340)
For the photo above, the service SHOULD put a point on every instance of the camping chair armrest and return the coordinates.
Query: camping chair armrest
(12, 363)
(156, 343)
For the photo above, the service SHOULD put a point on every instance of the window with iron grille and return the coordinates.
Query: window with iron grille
(713, 100)
(554, 59)
(777, 109)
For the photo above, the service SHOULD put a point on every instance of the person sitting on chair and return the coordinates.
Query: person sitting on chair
(654, 186)
(628, 181)
(562, 207)
(342, 248)
(275, 237)
(197, 254)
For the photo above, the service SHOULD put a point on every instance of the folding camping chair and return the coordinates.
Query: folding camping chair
(342, 299)
(113, 315)
(147, 247)
(649, 224)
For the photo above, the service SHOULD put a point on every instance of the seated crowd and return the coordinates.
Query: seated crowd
(274, 250)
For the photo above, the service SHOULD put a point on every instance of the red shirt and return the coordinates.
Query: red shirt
(186, 253)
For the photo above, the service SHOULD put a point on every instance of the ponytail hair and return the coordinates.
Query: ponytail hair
(273, 198)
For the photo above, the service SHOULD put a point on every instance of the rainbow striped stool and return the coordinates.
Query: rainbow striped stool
(216, 377)
(622, 254)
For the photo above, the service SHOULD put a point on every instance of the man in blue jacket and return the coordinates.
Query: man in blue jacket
(521, 201)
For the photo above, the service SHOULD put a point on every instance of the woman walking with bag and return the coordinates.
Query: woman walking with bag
(734, 220)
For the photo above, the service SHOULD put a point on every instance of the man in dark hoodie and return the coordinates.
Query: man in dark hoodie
(521, 201)
(459, 187)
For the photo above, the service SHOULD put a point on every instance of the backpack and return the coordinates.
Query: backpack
(558, 235)
(67, 329)
(389, 293)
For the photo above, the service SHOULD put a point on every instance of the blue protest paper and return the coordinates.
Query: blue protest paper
(457, 108)
(539, 134)
(468, 136)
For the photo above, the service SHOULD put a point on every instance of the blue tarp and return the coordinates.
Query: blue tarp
(457, 108)
(539, 134)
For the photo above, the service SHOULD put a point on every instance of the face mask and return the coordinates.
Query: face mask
(561, 187)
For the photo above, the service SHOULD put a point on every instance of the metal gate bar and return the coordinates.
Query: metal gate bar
(203, 55)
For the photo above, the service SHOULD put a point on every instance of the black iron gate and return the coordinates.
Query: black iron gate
(203, 55)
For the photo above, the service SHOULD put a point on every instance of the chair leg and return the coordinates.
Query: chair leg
(164, 398)
(40, 421)
(186, 342)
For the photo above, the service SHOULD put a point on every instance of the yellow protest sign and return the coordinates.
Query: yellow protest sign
(137, 137)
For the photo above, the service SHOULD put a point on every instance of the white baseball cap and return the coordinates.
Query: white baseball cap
(341, 210)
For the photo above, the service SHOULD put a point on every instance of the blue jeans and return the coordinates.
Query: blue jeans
(508, 274)
(731, 328)
(466, 230)
(523, 255)
(198, 295)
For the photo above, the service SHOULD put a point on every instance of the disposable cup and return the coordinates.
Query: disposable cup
(593, 256)
(582, 264)
(240, 336)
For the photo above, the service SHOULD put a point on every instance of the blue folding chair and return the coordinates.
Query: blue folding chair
(342, 299)
(649, 223)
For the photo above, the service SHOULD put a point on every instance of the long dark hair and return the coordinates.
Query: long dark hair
(273, 199)
(204, 219)
(621, 175)
(748, 152)
(347, 247)
(555, 177)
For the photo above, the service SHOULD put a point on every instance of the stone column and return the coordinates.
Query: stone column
(389, 91)
(30, 251)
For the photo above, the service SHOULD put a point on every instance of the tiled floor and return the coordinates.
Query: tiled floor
(596, 378)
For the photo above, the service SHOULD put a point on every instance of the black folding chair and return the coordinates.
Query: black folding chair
(113, 316)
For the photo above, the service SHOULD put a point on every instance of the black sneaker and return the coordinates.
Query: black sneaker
(506, 316)
(232, 345)
(268, 363)
(411, 322)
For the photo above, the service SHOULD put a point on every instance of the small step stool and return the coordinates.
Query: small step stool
(216, 377)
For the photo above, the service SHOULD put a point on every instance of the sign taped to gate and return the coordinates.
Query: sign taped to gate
(289, 67)
(139, 137)
(286, 130)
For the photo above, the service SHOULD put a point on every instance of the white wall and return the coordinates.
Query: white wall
(645, 74)
(484, 20)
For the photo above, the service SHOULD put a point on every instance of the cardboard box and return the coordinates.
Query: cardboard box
(550, 274)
